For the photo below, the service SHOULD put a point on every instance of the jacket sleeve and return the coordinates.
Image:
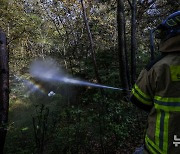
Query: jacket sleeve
(142, 92)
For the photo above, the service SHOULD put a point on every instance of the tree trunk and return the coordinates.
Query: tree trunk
(101, 111)
(126, 54)
(4, 90)
(121, 45)
(91, 43)
(133, 42)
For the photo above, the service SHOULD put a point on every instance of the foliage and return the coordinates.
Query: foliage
(40, 126)
(80, 119)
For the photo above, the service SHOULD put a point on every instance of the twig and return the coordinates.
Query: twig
(130, 4)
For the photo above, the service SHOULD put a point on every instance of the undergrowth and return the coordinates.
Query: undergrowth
(94, 124)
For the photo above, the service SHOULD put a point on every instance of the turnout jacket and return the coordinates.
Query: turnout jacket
(157, 90)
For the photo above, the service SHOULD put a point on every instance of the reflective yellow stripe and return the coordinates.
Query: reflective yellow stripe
(150, 148)
(167, 99)
(175, 73)
(161, 131)
(161, 134)
(157, 130)
(167, 103)
(142, 97)
(154, 148)
(166, 125)
(167, 108)
(142, 93)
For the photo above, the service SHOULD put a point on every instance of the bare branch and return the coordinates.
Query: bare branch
(130, 4)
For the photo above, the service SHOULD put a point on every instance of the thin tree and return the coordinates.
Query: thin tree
(133, 40)
(121, 45)
(91, 42)
(4, 90)
(101, 111)
(126, 54)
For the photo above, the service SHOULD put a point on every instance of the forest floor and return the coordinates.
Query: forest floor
(20, 136)
(72, 128)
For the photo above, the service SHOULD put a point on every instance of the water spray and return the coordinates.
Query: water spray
(29, 84)
(84, 83)
(48, 70)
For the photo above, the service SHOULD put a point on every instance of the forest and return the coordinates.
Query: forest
(72, 65)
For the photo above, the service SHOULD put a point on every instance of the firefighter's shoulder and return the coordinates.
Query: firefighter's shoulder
(154, 62)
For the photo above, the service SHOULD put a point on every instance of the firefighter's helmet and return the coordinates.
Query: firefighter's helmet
(170, 27)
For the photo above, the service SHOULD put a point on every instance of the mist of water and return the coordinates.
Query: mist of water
(29, 85)
(49, 70)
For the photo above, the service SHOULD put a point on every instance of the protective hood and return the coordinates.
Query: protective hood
(170, 45)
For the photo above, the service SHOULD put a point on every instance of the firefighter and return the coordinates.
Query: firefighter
(157, 91)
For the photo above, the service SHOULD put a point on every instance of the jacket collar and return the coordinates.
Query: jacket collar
(170, 45)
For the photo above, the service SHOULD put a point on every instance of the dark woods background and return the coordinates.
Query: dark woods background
(100, 41)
